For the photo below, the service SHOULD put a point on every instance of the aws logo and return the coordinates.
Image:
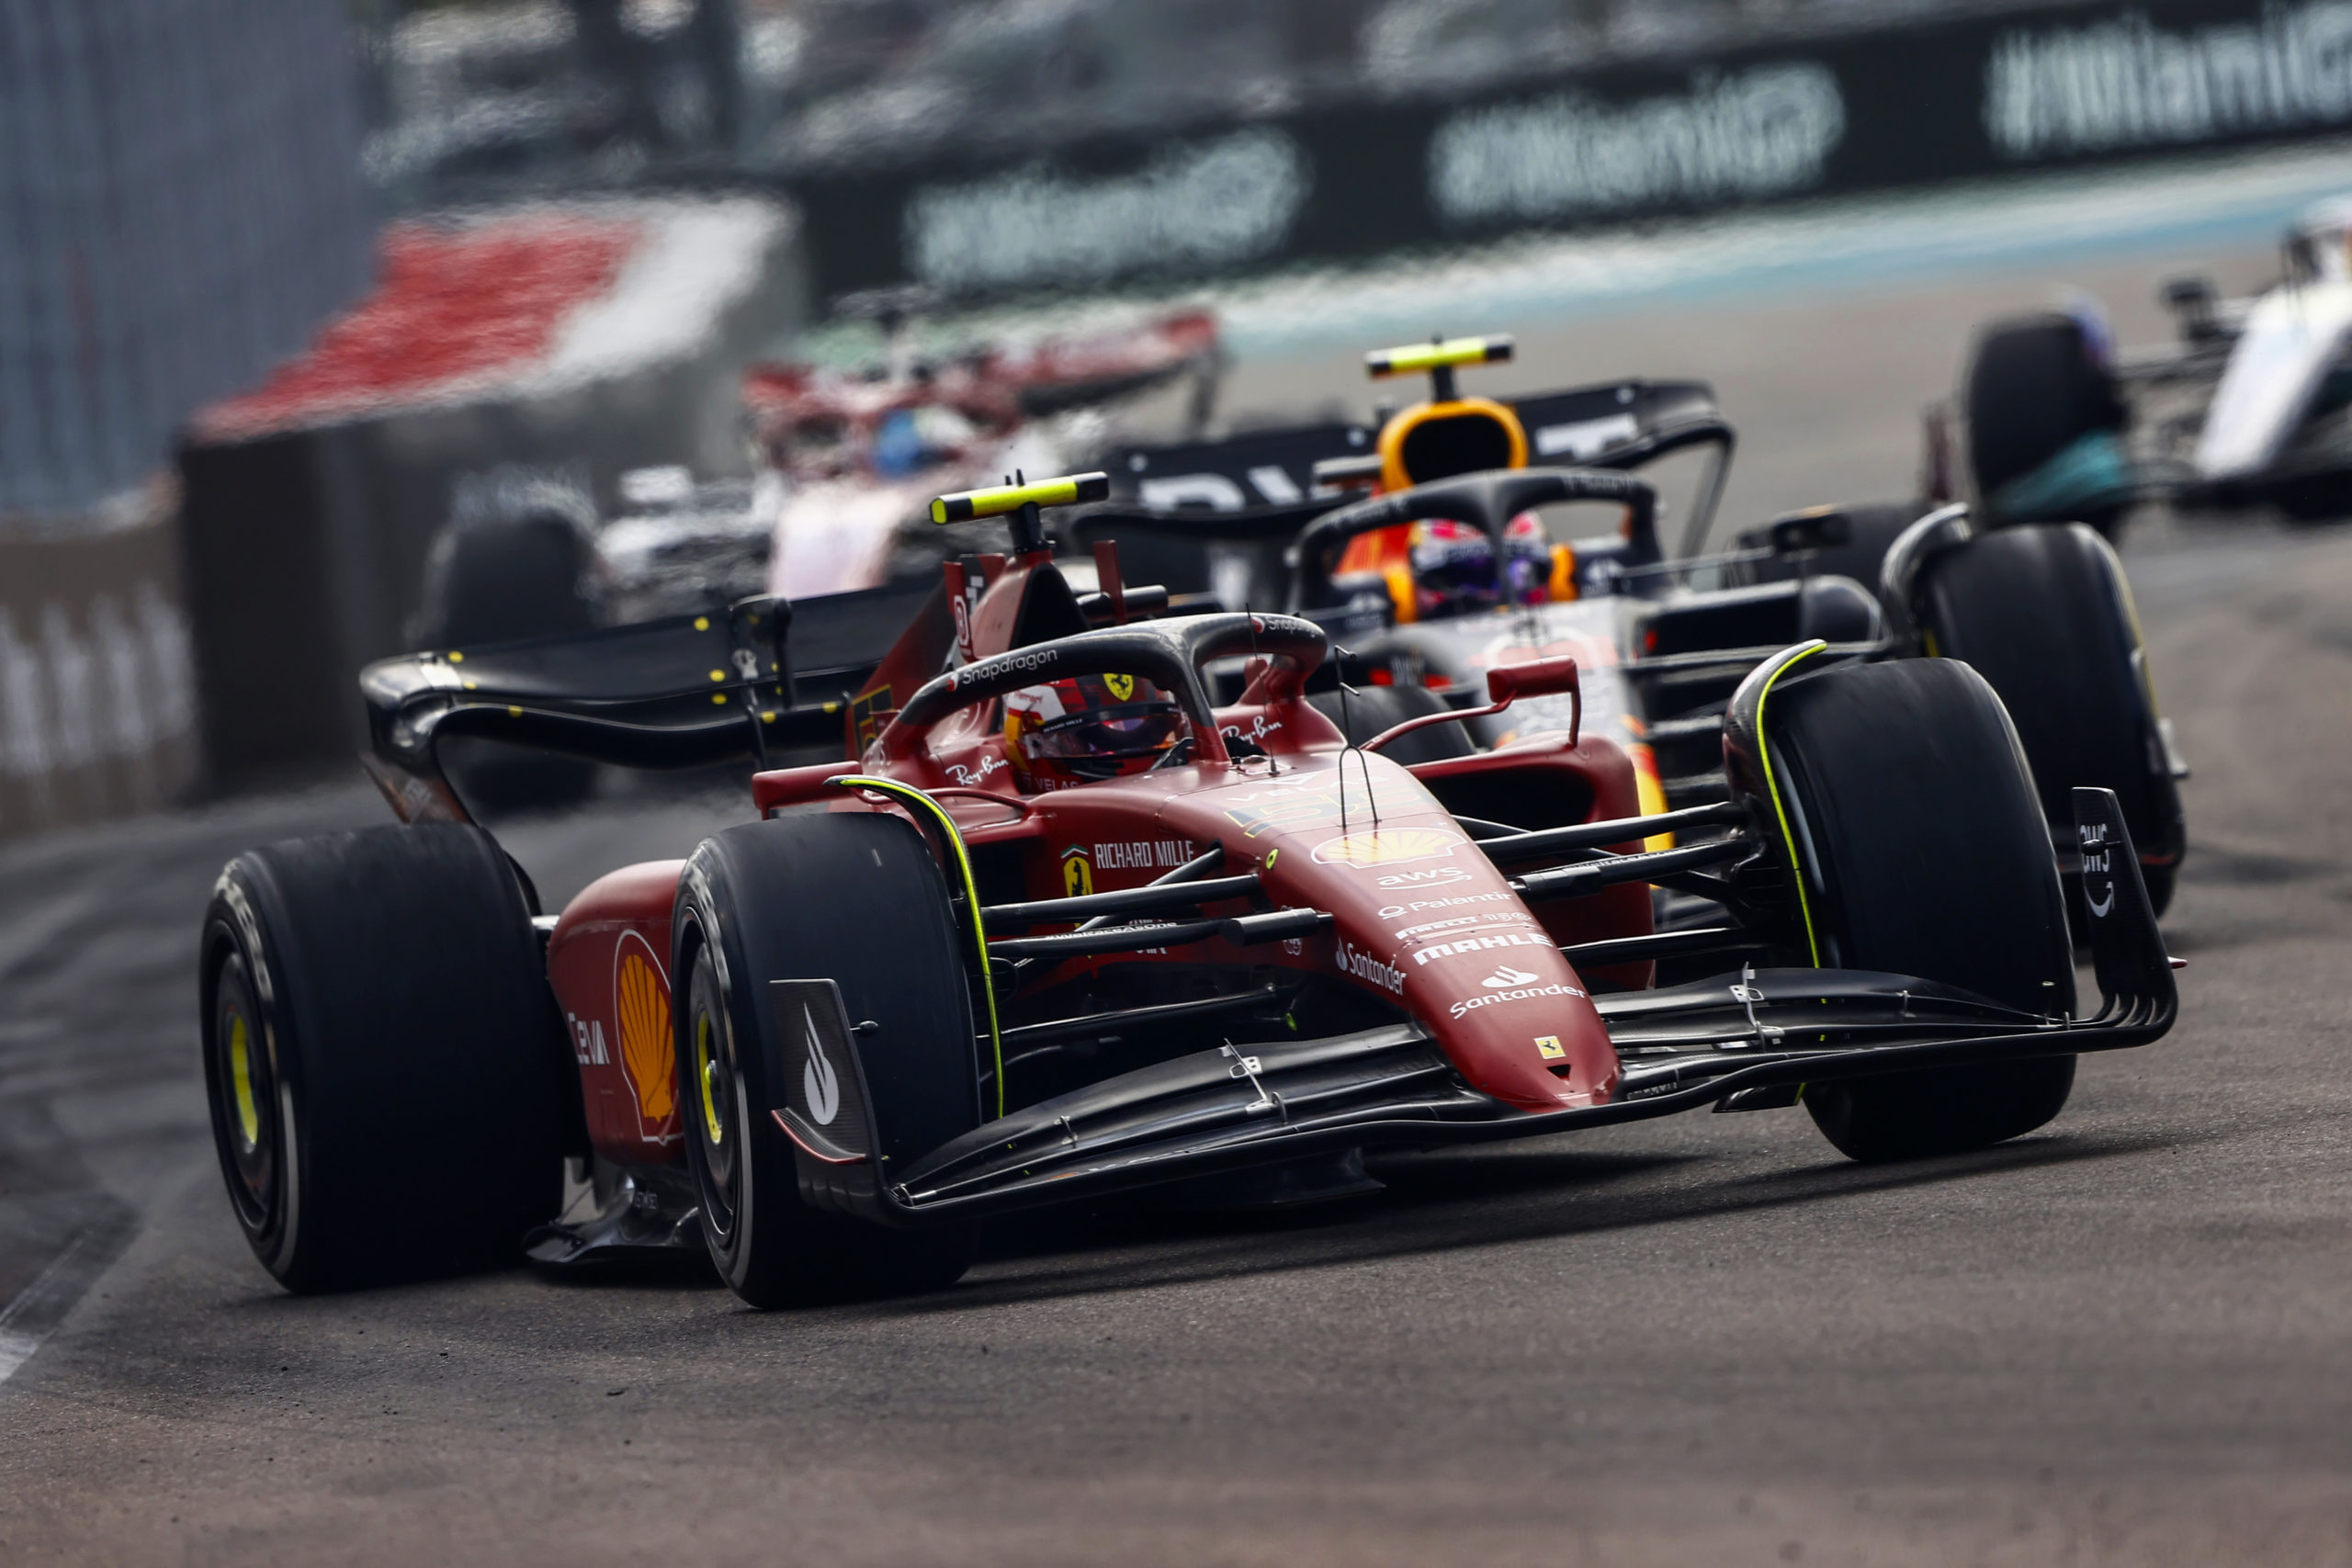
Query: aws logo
(1429, 876)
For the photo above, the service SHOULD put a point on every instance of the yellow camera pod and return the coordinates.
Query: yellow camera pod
(997, 500)
(1441, 354)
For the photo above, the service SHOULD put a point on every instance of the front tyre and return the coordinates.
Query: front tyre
(1916, 832)
(856, 898)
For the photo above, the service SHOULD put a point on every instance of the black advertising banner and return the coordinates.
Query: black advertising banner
(1866, 112)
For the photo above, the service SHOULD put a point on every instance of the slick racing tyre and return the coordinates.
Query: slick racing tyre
(857, 899)
(1923, 852)
(2043, 613)
(386, 1071)
(2035, 386)
(1365, 711)
(522, 572)
(2314, 498)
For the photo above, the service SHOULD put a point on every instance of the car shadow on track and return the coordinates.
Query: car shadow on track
(1447, 1203)
(1434, 1203)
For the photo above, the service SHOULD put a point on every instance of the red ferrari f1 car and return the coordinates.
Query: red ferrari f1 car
(1090, 898)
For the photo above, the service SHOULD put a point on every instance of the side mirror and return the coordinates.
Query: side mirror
(2192, 300)
(2187, 292)
(1820, 529)
(1537, 677)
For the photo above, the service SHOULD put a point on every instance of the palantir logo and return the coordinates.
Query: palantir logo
(818, 1080)
(1505, 977)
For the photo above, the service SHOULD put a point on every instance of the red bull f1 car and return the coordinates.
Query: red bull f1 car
(1427, 572)
(1090, 898)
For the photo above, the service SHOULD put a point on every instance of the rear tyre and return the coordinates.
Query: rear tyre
(2034, 387)
(1365, 712)
(2322, 498)
(2044, 614)
(385, 1066)
(858, 899)
(1924, 852)
(522, 573)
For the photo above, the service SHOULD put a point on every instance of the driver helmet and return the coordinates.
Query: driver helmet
(1454, 570)
(1086, 728)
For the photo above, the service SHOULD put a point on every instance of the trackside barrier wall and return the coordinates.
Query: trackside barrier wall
(307, 538)
(2030, 88)
(97, 688)
(180, 204)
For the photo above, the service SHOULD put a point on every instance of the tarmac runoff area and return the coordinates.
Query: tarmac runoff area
(1704, 1339)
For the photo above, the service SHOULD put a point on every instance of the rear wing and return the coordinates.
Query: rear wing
(1627, 424)
(1253, 470)
(682, 692)
(1240, 490)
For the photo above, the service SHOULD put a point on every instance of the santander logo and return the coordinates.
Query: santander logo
(1504, 978)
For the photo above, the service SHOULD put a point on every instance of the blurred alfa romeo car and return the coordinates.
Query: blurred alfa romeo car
(861, 453)
(846, 460)
(1091, 899)
(2252, 406)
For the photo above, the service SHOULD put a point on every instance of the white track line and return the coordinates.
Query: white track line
(27, 1322)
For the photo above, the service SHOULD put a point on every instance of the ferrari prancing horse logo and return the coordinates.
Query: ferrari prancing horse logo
(1077, 872)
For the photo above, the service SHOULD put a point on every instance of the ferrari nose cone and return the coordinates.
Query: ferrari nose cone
(1507, 1010)
(1420, 917)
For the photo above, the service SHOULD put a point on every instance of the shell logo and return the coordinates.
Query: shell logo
(648, 1053)
(1387, 846)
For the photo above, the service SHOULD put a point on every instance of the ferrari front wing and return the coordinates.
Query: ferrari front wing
(1736, 1042)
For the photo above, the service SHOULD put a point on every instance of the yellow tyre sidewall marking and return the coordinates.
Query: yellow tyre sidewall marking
(910, 797)
(1772, 787)
(704, 1068)
(241, 1076)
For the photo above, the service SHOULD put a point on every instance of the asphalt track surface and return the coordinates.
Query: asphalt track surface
(1699, 1340)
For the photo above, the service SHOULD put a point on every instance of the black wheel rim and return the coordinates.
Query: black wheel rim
(244, 1097)
(706, 1065)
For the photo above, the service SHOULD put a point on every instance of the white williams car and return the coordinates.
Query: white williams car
(2252, 406)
